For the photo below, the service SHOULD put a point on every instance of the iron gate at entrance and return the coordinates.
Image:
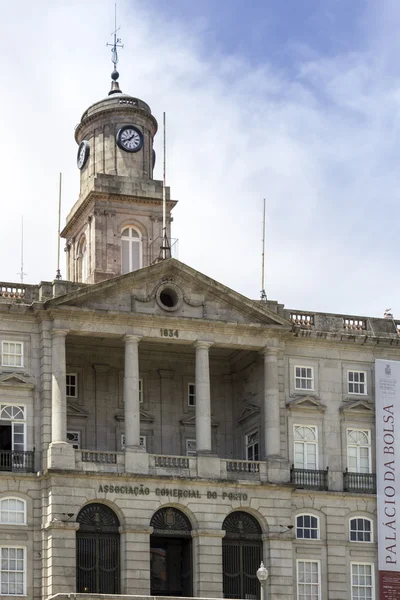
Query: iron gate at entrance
(171, 554)
(241, 556)
(97, 551)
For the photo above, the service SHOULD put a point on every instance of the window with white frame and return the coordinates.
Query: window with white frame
(360, 530)
(308, 580)
(72, 385)
(12, 571)
(191, 394)
(357, 382)
(359, 450)
(190, 447)
(131, 250)
(305, 447)
(12, 511)
(303, 378)
(307, 527)
(142, 441)
(252, 446)
(74, 438)
(362, 581)
(13, 427)
(12, 354)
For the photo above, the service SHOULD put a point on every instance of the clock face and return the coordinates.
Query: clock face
(129, 138)
(83, 154)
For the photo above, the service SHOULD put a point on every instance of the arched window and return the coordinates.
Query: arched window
(305, 447)
(97, 551)
(12, 511)
(83, 260)
(131, 250)
(241, 555)
(307, 527)
(360, 530)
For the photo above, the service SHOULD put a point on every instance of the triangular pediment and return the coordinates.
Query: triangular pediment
(15, 380)
(306, 403)
(197, 297)
(190, 420)
(145, 417)
(74, 410)
(248, 411)
(357, 406)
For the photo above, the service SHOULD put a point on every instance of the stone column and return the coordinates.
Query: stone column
(136, 458)
(203, 402)
(207, 572)
(61, 455)
(58, 387)
(131, 392)
(272, 439)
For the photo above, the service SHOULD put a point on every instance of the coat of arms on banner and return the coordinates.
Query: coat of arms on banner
(388, 370)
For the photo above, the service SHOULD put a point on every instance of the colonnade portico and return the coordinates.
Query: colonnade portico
(61, 453)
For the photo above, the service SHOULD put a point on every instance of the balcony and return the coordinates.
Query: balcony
(17, 461)
(309, 479)
(180, 466)
(359, 483)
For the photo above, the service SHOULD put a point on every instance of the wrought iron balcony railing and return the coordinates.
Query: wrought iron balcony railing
(359, 483)
(309, 478)
(17, 461)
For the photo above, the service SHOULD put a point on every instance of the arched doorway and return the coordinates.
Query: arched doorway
(241, 555)
(97, 551)
(171, 553)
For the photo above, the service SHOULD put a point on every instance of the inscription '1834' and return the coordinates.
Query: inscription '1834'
(170, 333)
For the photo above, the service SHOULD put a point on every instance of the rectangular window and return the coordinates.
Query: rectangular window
(359, 450)
(74, 438)
(142, 442)
(191, 394)
(305, 447)
(362, 581)
(304, 378)
(356, 382)
(12, 354)
(72, 385)
(252, 446)
(141, 391)
(190, 447)
(308, 580)
(12, 571)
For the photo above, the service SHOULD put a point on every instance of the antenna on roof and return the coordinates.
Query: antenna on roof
(114, 55)
(21, 273)
(165, 249)
(263, 294)
(58, 273)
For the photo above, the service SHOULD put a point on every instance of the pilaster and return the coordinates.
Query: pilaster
(207, 575)
(135, 546)
(60, 557)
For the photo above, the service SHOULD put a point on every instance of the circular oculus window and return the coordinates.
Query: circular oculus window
(169, 297)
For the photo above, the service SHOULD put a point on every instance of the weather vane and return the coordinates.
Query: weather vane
(114, 46)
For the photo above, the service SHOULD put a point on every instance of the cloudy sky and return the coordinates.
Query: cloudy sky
(294, 101)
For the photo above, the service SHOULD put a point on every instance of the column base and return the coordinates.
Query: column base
(136, 460)
(278, 469)
(208, 466)
(61, 455)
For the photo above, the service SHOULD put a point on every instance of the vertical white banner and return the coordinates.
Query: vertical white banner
(387, 378)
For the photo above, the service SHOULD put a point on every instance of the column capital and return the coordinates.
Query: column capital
(272, 346)
(61, 333)
(131, 338)
(202, 344)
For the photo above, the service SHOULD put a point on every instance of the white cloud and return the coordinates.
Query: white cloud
(321, 146)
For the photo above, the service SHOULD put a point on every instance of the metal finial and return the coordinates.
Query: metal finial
(114, 55)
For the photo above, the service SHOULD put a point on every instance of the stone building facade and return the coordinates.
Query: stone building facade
(162, 434)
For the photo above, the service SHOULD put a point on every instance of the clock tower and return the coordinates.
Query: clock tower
(116, 225)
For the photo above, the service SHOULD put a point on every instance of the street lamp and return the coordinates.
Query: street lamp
(262, 576)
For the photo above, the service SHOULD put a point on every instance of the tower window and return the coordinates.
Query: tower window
(131, 250)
